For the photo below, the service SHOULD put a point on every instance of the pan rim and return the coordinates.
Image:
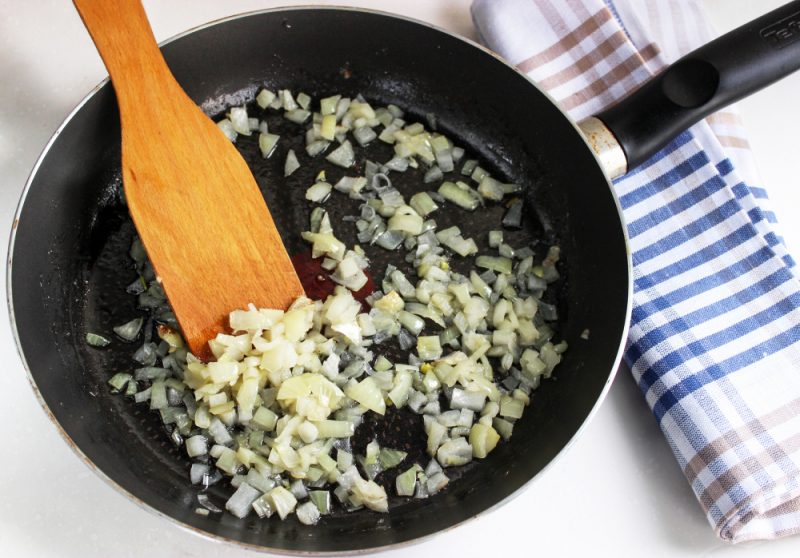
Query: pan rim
(266, 549)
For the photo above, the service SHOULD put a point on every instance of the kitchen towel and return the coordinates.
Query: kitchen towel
(714, 343)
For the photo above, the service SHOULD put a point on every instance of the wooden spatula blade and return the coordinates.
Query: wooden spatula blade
(207, 230)
(193, 199)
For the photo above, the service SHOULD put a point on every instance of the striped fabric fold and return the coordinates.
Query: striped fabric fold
(714, 342)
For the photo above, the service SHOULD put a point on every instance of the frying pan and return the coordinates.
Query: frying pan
(68, 249)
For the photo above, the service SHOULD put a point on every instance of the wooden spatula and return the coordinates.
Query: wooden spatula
(194, 201)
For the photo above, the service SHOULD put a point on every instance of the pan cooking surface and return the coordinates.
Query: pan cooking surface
(71, 265)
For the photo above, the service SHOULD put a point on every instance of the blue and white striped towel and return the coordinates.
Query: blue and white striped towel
(715, 335)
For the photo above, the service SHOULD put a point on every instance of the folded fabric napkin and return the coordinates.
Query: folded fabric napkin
(714, 342)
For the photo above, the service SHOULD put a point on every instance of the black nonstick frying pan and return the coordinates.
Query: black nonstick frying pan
(69, 266)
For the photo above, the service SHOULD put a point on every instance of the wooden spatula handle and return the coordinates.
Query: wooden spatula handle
(126, 43)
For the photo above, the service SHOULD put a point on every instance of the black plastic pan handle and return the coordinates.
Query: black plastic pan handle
(717, 74)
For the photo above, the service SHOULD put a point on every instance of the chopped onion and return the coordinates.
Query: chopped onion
(325, 243)
(263, 506)
(267, 144)
(462, 196)
(334, 428)
(437, 434)
(399, 164)
(371, 494)
(390, 458)
(308, 513)
(472, 400)
(440, 144)
(429, 348)
(343, 156)
(407, 220)
(316, 147)
(327, 128)
(96, 340)
(406, 482)
(511, 408)
(454, 452)
(479, 174)
(364, 135)
(196, 445)
(401, 388)
(239, 120)
(146, 354)
(341, 106)
(513, 217)
(171, 336)
(142, 396)
(298, 116)
(130, 330)
(287, 100)
(158, 395)
(226, 126)
(291, 164)
(260, 481)
(390, 240)
(416, 400)
(411, 322)
(423, 204)
(119, 381)
(322, 500)
(351, 185)
(282, 501)
(468, 167)
(452, 238)
(328, 105)
(433, 174)
(503, 427)
(303, 100)
(204, 501)
(444, 159)
(298, 489)
(498, 264)
(506, 251)
(265, 98)
(197, 472)
(219, 432)
(491, 189)
(368, 394)
(405, 339)
(318, 192)
(349, 273)
(437, 482)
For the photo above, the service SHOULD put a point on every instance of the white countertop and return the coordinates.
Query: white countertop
(616, 492)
